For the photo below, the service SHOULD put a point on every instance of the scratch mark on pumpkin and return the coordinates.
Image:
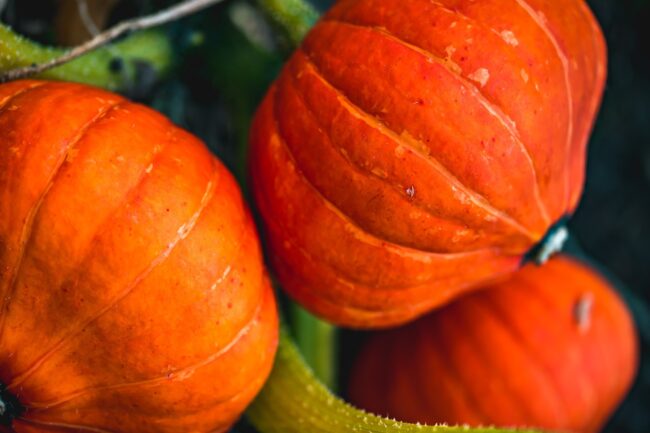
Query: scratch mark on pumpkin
(221, 278)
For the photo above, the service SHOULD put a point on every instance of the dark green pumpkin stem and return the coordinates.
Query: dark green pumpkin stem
(316, 340)
(114, 67)
(10, 407)
(552, 243)
(293, 17)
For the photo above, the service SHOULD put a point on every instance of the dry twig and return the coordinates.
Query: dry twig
(172, 13)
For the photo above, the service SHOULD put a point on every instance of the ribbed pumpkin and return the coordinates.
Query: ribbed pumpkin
(411, 150)
(132, 292)
(554, 347)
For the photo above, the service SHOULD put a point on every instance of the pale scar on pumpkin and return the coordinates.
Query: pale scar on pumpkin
(481, 76)
(509, 37)
(582, 311)
(410, 191)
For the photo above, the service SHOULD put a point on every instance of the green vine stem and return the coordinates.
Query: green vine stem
(113, 67)
(316, 341)
(294, 401)
(294, 17)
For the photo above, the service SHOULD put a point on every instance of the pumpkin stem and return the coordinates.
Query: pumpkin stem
(551, 244)
(10, 407)
(293, 17)
(114, 67)
(316, 340)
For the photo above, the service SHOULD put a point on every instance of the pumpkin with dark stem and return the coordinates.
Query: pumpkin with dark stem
(413, 150)
(133, 296)
(553, 347)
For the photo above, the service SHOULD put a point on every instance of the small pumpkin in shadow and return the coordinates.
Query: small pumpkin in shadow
(554, 347)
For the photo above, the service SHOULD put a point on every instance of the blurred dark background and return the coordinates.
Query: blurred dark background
(228, 55)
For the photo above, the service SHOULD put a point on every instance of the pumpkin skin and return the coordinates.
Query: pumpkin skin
(411, 151)
(134, 297)
(554, 347)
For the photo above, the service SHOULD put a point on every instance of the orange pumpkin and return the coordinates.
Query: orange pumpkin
(410, 151)
(554, 347)
(133, 296)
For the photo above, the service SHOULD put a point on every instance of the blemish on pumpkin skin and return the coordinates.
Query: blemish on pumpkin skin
(490, 218)
(509, 37)
(481, 76)
(582, 311)
(379, 172)
(450, 50)
(524, 76)
(410, 191)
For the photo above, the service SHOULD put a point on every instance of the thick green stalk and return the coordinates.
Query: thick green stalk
(316, 340)
(294, 17)
(294, 401)
(113, 67)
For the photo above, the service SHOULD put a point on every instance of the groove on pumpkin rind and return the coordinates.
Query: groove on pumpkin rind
(213, 408)
(487, 219)
(183, 231)
(429, 27)
(384, 73)
(108, 216)
(450, 121)
(268, 149)
(478, 93)
(26, 233)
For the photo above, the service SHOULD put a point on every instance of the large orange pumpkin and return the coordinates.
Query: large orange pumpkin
(554, 347)
(411, 150)
(132, 292)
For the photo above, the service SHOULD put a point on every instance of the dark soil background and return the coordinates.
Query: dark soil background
(217, 84)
